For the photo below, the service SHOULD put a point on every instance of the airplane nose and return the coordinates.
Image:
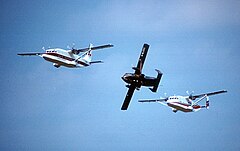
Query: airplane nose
(124, 78)
(127, 77)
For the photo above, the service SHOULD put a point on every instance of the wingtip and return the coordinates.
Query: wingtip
(145, 44)
(223, 91)
(123, 108)
(157, 70)
(110, 45)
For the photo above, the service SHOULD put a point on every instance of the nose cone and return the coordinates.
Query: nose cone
(126, 77)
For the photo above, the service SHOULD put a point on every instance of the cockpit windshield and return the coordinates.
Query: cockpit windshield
(128, 74)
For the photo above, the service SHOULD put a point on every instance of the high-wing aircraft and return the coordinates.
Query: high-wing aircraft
(137, 79)
(68, 58)
(186, 103)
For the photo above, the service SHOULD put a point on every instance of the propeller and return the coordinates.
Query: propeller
(191, 95)
(74, 51)
(165, 94)
(90, 46)
(73, 46)
(138, 69)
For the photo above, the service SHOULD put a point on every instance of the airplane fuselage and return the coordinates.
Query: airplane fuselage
(61, 57)
(138, 80)
(180, 103)
(183, 107)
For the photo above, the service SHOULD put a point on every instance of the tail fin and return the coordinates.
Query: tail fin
(88, 54)
(207, 103)
(159, 76)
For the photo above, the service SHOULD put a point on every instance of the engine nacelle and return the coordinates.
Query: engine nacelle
(128, 86)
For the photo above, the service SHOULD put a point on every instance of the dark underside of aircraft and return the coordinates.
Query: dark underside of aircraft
(137, 79)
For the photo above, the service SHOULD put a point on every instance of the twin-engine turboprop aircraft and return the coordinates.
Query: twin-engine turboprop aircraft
(68, 58)
(138, 79)
(186, 103)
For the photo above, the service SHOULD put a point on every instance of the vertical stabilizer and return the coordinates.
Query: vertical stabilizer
(157, 81)
(207, 103)
(88, 54)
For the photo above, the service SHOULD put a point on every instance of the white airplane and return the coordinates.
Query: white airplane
(185, 103)
(68, 58)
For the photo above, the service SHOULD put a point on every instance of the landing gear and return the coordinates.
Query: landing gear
(56, 65)
(174, 110)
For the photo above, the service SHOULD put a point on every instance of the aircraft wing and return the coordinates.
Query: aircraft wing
(128, 97)
(31, 54)
(156, 100)
(138, 69)
(208, 94)
(94, 48)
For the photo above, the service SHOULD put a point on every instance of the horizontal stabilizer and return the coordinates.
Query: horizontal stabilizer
(92, 62)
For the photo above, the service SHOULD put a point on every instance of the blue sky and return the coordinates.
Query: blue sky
(194, 43)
